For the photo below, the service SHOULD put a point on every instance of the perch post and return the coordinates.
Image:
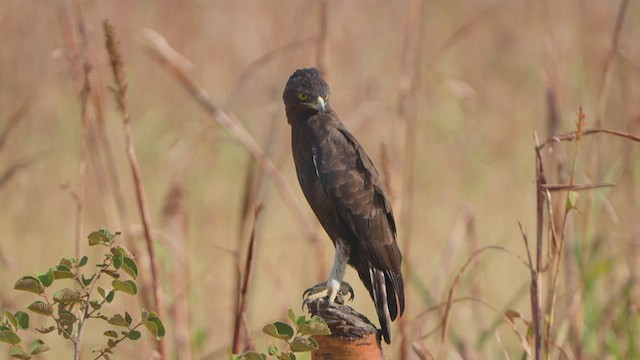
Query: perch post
(353, 336)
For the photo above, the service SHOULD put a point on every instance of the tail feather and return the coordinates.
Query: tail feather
(380, 297)
(388, 295)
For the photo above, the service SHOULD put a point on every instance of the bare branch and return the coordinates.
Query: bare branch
(572, 136)
(244, 294)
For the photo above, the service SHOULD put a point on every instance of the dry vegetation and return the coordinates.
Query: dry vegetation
(446, 96)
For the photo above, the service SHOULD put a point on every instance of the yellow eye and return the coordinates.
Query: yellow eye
(303, 96)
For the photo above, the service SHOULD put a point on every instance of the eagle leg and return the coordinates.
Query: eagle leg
(335, 288)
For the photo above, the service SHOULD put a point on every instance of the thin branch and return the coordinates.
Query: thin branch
(536, 282)
(244, 294)
(117, 66)
(575, 187)
(572, 136)
(456, 283)
(82, 166)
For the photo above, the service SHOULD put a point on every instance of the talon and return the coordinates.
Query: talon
(332, 293)
(346, 289)
(313, 293)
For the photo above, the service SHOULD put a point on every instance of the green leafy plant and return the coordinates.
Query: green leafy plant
(70, 307)
(298, 340)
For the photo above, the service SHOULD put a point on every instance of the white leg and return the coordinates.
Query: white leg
(337, 270)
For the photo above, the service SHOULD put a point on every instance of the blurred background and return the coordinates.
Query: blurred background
(445, 96)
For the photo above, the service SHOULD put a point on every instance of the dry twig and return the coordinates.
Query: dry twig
(572, 136)
(244, 291)
(82, 166)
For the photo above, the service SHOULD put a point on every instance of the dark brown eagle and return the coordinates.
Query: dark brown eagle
(343, 188)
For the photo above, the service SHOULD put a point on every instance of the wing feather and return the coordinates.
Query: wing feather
(351, 182)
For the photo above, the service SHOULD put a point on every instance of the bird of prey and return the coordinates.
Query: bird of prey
(344, 191)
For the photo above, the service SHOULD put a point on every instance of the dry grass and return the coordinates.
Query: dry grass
(454, 95)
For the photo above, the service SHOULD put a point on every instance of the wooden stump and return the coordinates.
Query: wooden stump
(353, 336)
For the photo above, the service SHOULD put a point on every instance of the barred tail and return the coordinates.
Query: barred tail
(388, 294)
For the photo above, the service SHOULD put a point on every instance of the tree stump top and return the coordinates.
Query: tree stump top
(352, 337)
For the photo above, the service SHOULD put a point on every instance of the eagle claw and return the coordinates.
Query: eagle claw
(322, 291)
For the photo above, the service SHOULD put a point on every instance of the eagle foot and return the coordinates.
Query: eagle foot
(322, 291)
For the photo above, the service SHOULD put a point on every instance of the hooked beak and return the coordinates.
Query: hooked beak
(319, 105)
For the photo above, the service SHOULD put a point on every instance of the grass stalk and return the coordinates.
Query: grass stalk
(120, 93)
(244, 290)
(176, 223)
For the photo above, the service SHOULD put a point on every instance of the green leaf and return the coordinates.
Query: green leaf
(302, 344)
(279, 330)
(118, 320)
(68, 262)
(95, 304)
(130, 267)
(572, 200)
(38, 347)
(110, 296)
(12, 319)
(134, 335)
(314, 326)
(40, 307)
(63, 272)
(127, 318)
(273, 350)
(233, 356)
(18, 353)
(113, 273)
(97, 238)
(292, 315)
(83, 261)
(30, 284)
(47, 330)
(23, 320)
(108, 234)
(111, 334)
(128, 286)
(47, 278)
(101, 292)
(118, 257)
(66, 318)
(252, 355)
(154, 324)
(9, 337)
(87, 281)
(67, 296)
